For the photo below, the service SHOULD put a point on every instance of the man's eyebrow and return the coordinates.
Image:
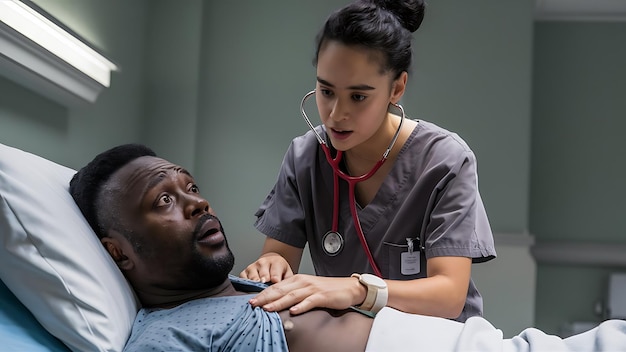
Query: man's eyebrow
(356, 87)
(155, 181)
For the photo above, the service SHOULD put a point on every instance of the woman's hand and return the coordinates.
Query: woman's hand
(301, 293)
(269, 267)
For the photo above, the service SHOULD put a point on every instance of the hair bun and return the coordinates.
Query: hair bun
(410, 13)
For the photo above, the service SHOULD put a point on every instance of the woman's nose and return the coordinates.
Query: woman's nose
(338, 111)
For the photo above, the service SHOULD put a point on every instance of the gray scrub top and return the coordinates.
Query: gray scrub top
(430, 195)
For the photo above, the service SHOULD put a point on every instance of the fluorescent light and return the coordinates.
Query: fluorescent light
(56, 40)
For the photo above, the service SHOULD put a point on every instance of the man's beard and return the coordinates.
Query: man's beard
(207, 272)
(198, 271)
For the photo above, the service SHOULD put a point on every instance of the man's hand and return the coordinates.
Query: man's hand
(270, 267)
(301, 293)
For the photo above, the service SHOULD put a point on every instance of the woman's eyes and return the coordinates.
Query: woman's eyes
(355, 97)
(326, 92)
(194, 189)
(358, 97)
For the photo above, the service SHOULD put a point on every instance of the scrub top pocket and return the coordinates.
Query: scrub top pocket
(398, 264)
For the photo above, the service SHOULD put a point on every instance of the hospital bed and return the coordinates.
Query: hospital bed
(61, 291)
(58, 282)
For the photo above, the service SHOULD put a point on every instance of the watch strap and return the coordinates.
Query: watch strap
(376, 297)
(370, 295)
(381, 300)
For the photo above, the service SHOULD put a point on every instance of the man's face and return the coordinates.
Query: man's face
(177, 242)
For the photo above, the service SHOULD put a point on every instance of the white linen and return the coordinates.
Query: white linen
(397, 331)
(53, 262)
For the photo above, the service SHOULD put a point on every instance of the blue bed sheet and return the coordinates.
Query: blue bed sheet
(20, 331)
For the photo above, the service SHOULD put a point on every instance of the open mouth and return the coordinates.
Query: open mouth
(210, 233)
(207, 234)
(340, 134)
(213, 237)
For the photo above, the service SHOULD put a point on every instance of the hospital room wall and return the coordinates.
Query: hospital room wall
(71, 135)
(578, 192)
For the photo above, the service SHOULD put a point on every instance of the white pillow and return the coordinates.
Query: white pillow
(52, 260)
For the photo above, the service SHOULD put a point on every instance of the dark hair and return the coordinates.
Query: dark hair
(381, 25)
(86, 184)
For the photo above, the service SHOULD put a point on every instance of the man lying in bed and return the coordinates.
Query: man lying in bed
(171, 247)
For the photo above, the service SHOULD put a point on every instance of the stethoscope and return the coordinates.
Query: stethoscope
(332, 242)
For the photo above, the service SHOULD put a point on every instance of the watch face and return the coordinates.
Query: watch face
(332, 243)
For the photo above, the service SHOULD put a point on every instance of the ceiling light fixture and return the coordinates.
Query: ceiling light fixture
(34, 44)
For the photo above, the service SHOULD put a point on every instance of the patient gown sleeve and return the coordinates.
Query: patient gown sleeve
(209, 324)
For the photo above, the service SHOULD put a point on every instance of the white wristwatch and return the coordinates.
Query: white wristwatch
(377, 294)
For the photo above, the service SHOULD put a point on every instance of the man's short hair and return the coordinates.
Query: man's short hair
(86, 184)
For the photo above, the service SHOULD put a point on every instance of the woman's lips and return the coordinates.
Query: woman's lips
(340, 135)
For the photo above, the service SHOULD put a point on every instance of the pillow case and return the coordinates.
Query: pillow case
(52, 260)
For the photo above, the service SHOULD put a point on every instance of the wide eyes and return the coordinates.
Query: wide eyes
(167, 199)
(164, 200)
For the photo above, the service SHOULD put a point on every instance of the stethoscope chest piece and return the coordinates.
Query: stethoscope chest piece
(332, 243)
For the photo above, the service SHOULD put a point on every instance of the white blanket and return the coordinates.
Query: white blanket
(397, 331)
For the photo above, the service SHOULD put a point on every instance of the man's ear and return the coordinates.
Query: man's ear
(116, 251)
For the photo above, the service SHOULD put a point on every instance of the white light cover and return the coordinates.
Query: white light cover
(55, 39)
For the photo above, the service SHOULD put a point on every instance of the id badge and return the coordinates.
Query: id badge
(410, 263)
(410, 260)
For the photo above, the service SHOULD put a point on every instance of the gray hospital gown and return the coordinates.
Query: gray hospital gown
(209, 324)
(430, 195)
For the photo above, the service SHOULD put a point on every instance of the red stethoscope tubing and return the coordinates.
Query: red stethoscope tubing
(352, 180)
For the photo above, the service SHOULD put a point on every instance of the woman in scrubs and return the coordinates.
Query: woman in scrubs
(417, 223)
